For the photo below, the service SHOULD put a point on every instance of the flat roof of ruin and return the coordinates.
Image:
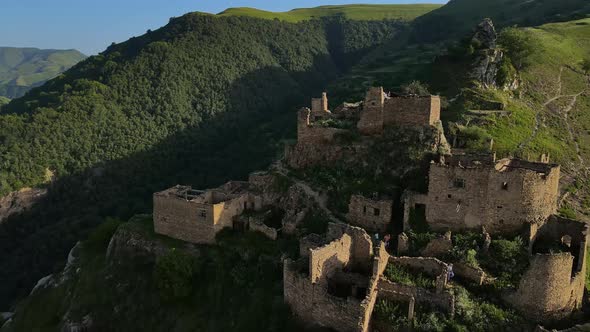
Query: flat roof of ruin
(229, 190)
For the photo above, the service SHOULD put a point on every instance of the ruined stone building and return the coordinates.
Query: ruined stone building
(318, 128)
(340, 277)
(509, 197)
(380, 110)
(374, 215)
(197, 216)
(502, 195)
(553, 285)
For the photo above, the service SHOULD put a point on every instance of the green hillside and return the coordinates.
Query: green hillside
(458, 17)
(24, 68)
(353, 12)
(202, 100)
(551, 114)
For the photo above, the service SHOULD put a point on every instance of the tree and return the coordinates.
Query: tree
(416, 88)
(518, 45)
(586, 65)
(173, 275)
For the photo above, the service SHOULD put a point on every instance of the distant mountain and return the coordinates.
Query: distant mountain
(24, 68)
(458, 17)
(352, 12)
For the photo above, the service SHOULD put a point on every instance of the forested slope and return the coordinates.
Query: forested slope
(200, 101)
(24, 68)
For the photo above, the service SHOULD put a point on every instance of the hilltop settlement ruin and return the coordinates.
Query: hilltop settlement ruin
(341, 275)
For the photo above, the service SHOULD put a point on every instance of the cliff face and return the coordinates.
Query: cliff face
(19, 201)
(489, 58)
(113, 282)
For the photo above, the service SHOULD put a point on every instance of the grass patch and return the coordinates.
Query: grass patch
(408, 276)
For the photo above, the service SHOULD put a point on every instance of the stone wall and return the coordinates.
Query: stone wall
(372, 215)
(327, 260)
(309, 133)
(197, 222)
(548, 290)
(503, 199)
(371, 119)
(314, 306)
(260, 227)
(181, 219)
(466, 272)
(445, 301)
(380, 111)
(431, 266)
(412, 111)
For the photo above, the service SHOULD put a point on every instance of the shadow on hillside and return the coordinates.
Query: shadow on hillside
(245, 138)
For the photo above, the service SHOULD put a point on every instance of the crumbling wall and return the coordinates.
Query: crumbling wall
(444, 301)
(309, 133)
(501, 200)
(429, 265)
(548, 290)
(412, 111)
(327, 260)
(314, 306)
(184, 220)
(371, 117)
(372, 215)
(260, 227)
(466, 272)
(225, 212)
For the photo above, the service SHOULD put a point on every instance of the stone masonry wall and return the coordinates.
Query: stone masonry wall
(444, 300)
(326, 260)
(371, 120)
(548, 291)
(307, 133)
(503, 202)
(314, 306)
(374, 216)
(411, 111)
(260, 227)
(431, 266)
(181, 219)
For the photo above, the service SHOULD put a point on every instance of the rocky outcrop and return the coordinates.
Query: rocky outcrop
(485, 34)
(19, 201)
(130, 243)
(489, 59)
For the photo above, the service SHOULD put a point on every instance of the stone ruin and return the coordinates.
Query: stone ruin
(501, 195)
(553, 285)
(508, 197)
(197, 216)
(374, 215)
(318, 128)
(339, 278)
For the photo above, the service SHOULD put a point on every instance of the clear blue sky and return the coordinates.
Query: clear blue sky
(90, 26)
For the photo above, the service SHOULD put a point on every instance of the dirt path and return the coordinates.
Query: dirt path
(538, 119)
(565, 111)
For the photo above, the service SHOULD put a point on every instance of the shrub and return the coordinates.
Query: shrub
(416, 88)
(506, 73)
(507, 260)
(518, 45)
(392, 314)
(173, 275)
(281, 183)
(407, 276)
(586, 65)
